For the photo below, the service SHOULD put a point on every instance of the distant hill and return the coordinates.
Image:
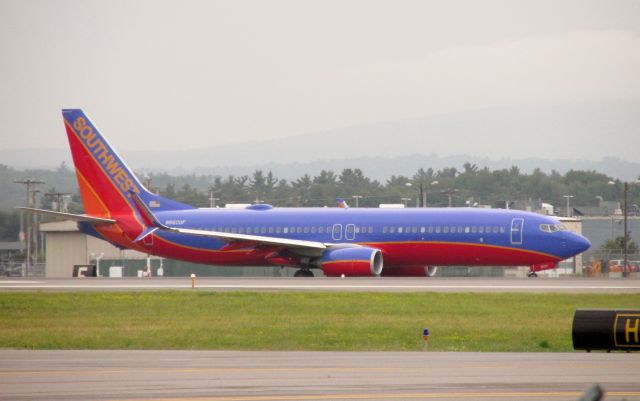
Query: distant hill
(381, 168)
(609, 133)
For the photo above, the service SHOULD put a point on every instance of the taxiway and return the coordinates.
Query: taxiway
(387, 284)
(273, 376)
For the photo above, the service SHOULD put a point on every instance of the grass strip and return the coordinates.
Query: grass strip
(344, 321)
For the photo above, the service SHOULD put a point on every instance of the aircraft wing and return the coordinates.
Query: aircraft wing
(69, 216)
(151, 220)
(290, 243)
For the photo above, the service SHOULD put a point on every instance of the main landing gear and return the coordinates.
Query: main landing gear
(531, 273)
(303, 273)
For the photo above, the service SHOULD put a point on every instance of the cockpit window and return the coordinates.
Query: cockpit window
(552, 228)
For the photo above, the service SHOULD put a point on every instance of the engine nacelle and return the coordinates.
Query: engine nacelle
(357, 261)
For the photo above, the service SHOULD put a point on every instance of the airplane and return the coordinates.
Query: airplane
(340, 241)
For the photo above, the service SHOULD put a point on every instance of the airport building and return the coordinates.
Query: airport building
(67, 247)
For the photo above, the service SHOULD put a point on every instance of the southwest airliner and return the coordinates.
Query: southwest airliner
(339, 241)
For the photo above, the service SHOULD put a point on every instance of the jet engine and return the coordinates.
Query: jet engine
(357, 261)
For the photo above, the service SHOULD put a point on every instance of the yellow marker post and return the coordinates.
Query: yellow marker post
(193, 281)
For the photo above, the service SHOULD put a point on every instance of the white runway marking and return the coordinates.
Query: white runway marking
(321, 284)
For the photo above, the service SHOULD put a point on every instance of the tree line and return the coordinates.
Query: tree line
(467, 186)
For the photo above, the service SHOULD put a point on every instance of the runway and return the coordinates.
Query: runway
(386, 284)
(120, 375)
(272, 376)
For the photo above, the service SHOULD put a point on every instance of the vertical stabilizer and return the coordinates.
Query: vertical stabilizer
(105, 181)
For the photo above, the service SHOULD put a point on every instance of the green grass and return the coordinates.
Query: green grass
(295, 320)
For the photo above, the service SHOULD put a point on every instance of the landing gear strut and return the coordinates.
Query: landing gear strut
(303, 273)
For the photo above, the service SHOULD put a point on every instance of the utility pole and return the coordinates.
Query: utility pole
(449, 192)
(568, 197)
(626, 234)
(212, 200)
(28, 219)
(357, 198)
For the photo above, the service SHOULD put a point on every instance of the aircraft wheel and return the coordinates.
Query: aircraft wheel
(532, 274)
(303, 273)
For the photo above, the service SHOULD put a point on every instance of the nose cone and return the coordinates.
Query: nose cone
(578, 244)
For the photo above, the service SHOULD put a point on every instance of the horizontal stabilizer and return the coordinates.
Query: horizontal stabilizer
(69, 216)
(145, 233)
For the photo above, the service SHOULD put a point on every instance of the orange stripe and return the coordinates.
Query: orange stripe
(88, 151)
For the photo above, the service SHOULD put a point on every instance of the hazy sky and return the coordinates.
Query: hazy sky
(188, 74)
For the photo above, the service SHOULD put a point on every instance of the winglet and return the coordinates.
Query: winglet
(342, 203)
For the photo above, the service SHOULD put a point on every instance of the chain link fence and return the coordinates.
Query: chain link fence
(611, 263)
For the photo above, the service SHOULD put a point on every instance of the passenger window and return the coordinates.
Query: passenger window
(474, 229)
(495, 230)
(438, 230)
(422, 230)
(299, 230)
(263, 230)
(399, 230)
(370, 229)
(286, 230)
(446, 230)
(241, 230)
(481, 229)
(306, 230)
(430, 229)
(384, 229)
(321, 230)
(278, 230)
(502, 230)
(313, 229)
(392, 230)
(467, 230)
